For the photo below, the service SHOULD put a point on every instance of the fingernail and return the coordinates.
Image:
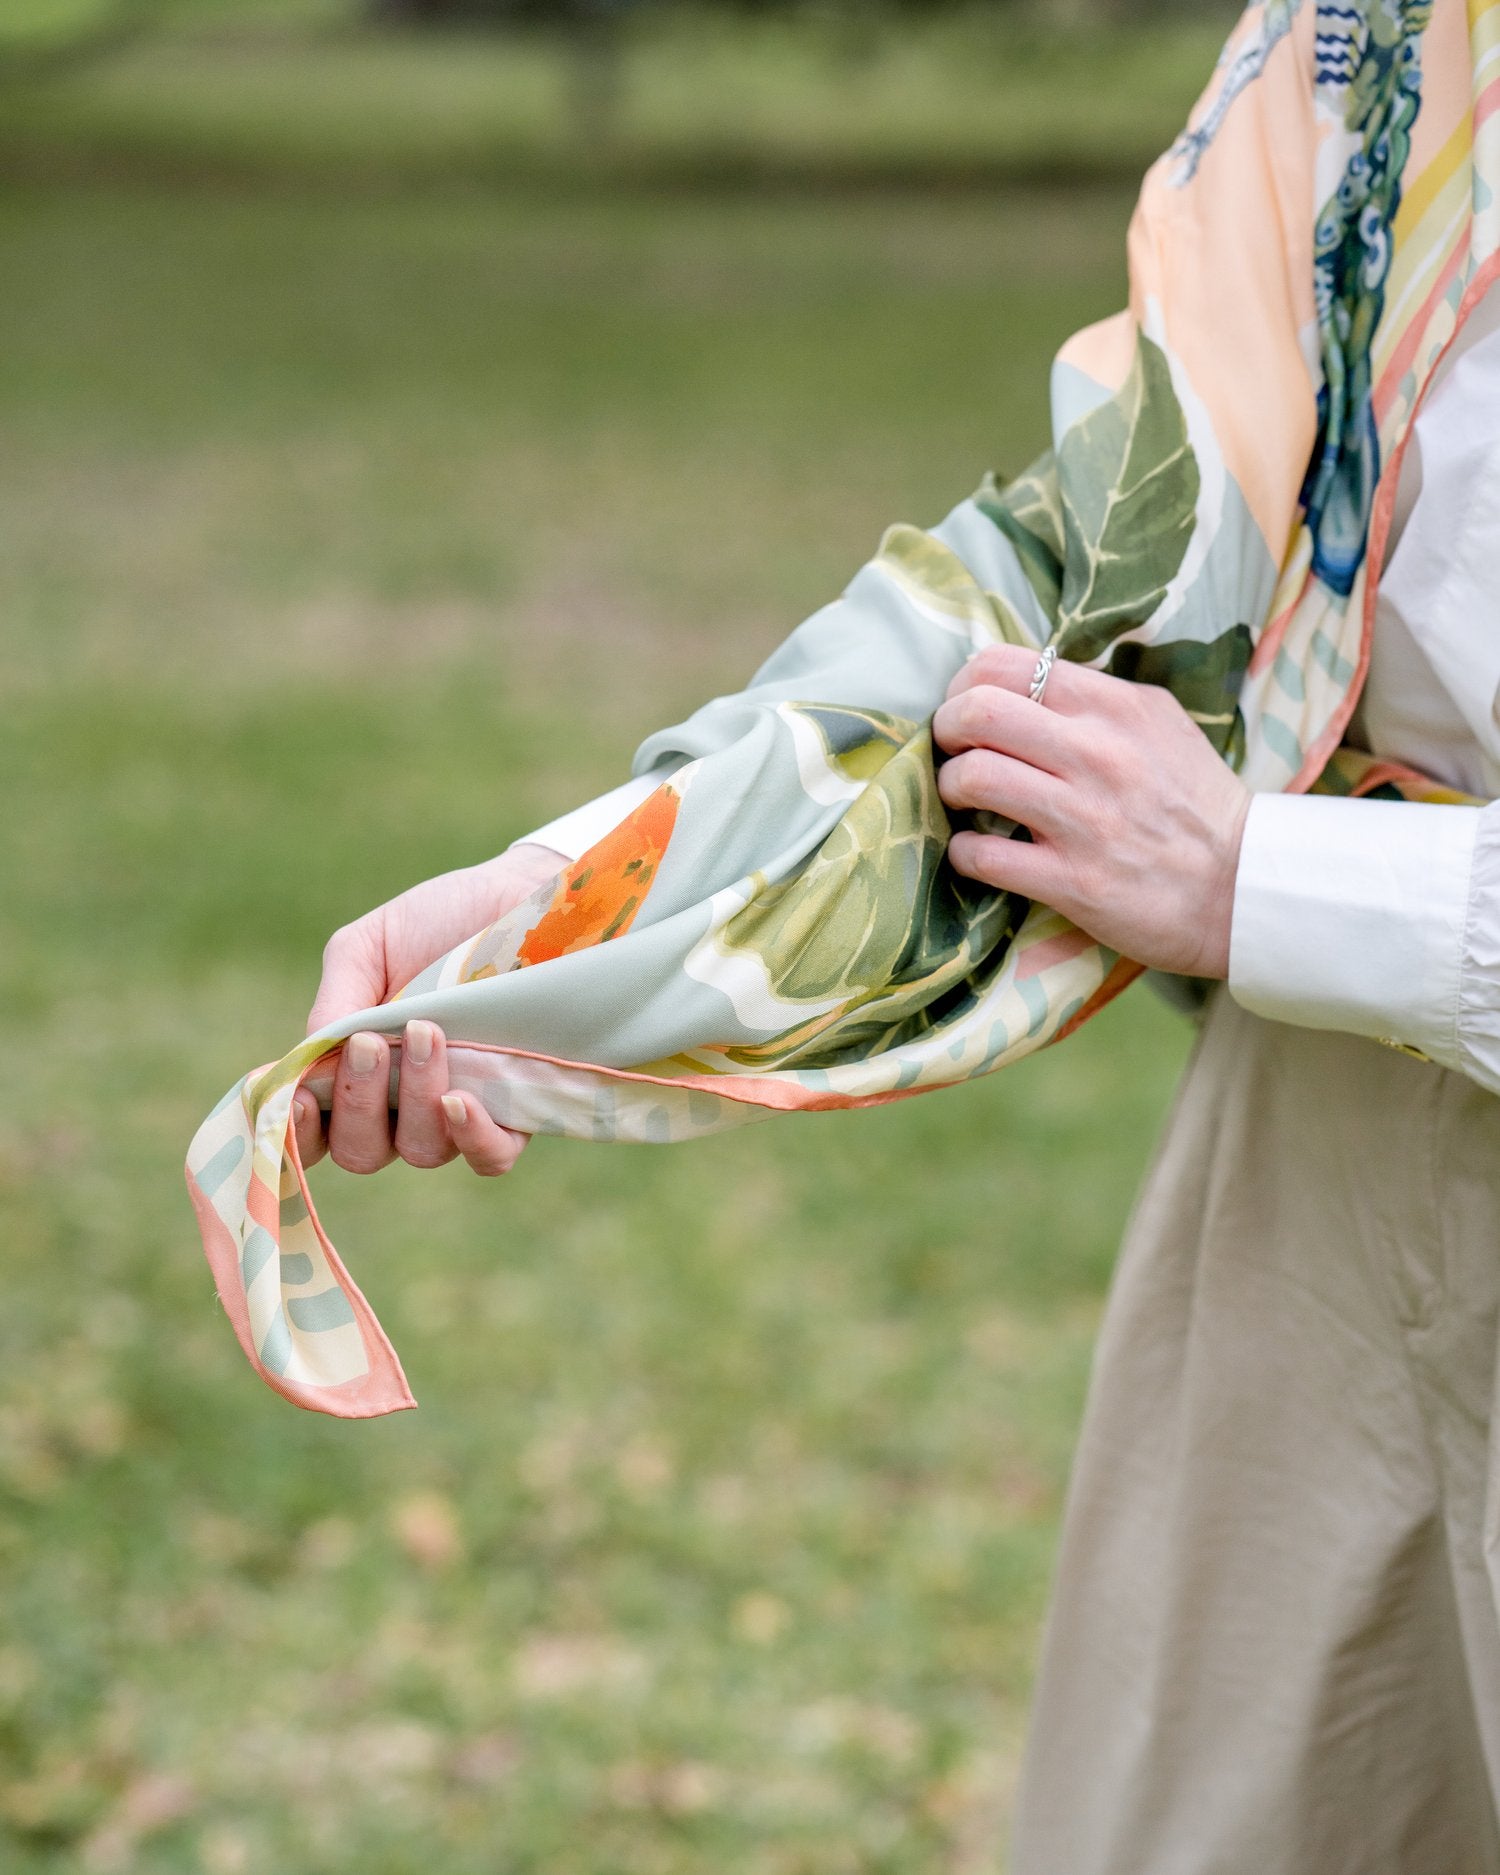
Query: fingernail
(306, 1107)
(457, 1112)
(363, 1051)
(418, 1042)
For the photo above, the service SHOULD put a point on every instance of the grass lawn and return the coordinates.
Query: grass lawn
(343, 540)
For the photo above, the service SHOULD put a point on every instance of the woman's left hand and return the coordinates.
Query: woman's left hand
(1135, 821)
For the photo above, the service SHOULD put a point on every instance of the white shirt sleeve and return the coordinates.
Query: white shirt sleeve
(1380, 918)
(573, 833)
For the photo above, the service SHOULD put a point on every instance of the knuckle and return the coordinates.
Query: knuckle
(358, 1159)
(362, 1097)
(952, 780)
(998, 661)
(1102, 822)
(1138, 712)
(1089, 883)
(342, 940)
(1082, 892)
(424, 1158)
(989, 665)
(980, 668)
(975, 712)
(989, 856)
(1157, 704)
(1103, 765)
(965, 772)
(974, 779)
(493, 1156)
(980, 855)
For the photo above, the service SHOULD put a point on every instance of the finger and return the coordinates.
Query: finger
(359, 1125)
(307, 1119)
(987, 717)
(983, 779)
(1019, 866)
(353, 974)
(421, 1130)
(1072, 689)
(489, 1149)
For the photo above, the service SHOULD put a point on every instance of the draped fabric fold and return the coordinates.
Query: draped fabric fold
(775, 928)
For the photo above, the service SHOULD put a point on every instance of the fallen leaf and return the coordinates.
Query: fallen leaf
(486, 1761)
(555, 1666)
(148, 1804)
(427, 1529)
(760, 1618)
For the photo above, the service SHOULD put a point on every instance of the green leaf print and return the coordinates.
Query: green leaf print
(940, 581)
(877, 918)
(1028, 512)
(846, 921)
(1129, 487)
(856, 743)
(1204, 678)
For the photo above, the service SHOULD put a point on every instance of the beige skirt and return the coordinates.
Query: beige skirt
(1274, 1646)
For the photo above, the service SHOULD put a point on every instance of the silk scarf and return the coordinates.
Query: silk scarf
(775, 928)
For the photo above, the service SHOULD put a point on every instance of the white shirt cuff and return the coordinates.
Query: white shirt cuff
(572, 834)
(1479, 993)
(1352, 915)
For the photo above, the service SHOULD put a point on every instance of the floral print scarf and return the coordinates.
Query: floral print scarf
(775, 928)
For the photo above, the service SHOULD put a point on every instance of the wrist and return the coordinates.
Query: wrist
(1218, 920)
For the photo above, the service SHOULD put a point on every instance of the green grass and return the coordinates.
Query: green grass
(341, 543)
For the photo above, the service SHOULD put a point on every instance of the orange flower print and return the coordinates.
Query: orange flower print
(598, 897)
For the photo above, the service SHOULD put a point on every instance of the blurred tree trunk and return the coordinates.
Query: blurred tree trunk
(1072, 15)
(597, 60)
(591, 31)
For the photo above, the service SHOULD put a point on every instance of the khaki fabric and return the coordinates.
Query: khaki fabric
(1273, 1648)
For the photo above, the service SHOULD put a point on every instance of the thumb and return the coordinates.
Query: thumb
(354, 974)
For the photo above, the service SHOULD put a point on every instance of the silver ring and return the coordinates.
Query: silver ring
(1042, 672)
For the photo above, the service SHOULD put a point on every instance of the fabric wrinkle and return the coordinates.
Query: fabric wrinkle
(1274, 1644)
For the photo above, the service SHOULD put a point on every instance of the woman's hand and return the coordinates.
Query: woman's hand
(1135, 822)
(366, 963)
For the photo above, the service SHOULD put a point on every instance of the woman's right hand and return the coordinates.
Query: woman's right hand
(365, 963)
